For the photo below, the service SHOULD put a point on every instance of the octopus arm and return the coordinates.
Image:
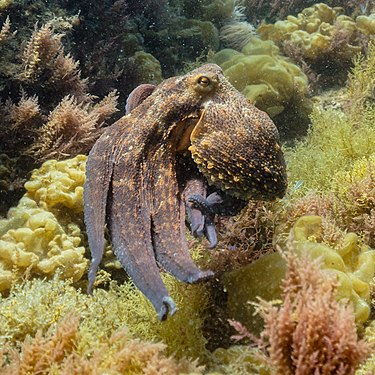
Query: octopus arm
(168, 219)
(99, 169)
(129, 222)
(195, 217)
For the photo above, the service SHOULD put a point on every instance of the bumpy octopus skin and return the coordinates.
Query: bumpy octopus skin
(131, 175)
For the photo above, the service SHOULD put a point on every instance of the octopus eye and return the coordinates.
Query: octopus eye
(204, 84)
(203, 81)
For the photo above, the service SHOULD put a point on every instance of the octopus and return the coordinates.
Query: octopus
(152, 167)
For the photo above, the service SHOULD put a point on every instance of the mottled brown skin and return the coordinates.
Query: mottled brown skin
(131, 178)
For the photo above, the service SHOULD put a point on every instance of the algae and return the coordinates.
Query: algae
(58, 351)
(268, 79)
(322, 38)
(39, 304)
(338, 138)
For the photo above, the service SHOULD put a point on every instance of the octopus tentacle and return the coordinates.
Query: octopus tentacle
(132, 181)
(130, 204)
(169, 240)
(207, 208)
(127, 252)
(99, 168)
(195, 216)
(138, 95)
(194, 184)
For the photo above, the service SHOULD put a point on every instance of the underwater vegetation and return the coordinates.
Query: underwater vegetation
(322, 39)
(47, 111)
(53, 62)
(41, 234)
(119, 355)
(348, 260)
(339, 149)
(76, 334)
(275, 9)
(309, 332)
(57, 87)
(269, 80)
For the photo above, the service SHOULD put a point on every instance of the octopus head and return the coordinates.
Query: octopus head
(235, 145)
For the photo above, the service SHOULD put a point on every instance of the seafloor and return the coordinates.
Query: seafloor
(294, 278)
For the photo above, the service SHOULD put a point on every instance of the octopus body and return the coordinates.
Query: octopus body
(133, 183)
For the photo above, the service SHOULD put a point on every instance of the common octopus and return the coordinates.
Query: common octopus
(135, 183)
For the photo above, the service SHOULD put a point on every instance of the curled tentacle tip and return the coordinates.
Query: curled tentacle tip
(169, 306)
(199, 232)
(211, 234)
(212, 244)
(89, 289)
(197, 229)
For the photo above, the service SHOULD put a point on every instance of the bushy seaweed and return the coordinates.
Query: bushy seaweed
(40, 304)
(338, 137)
(335, 141)
(58, 352)
(332, 171)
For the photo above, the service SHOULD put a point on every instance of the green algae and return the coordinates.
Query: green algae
(240, 360)
(39, 304)
(338, 138)
(258, 279)
(335, 141)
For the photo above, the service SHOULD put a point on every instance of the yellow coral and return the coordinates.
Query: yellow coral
(366, 24)
(314, 32)
(59, 183)
(40, 234)
(352, 262)
(310, 20)
(33, 237)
